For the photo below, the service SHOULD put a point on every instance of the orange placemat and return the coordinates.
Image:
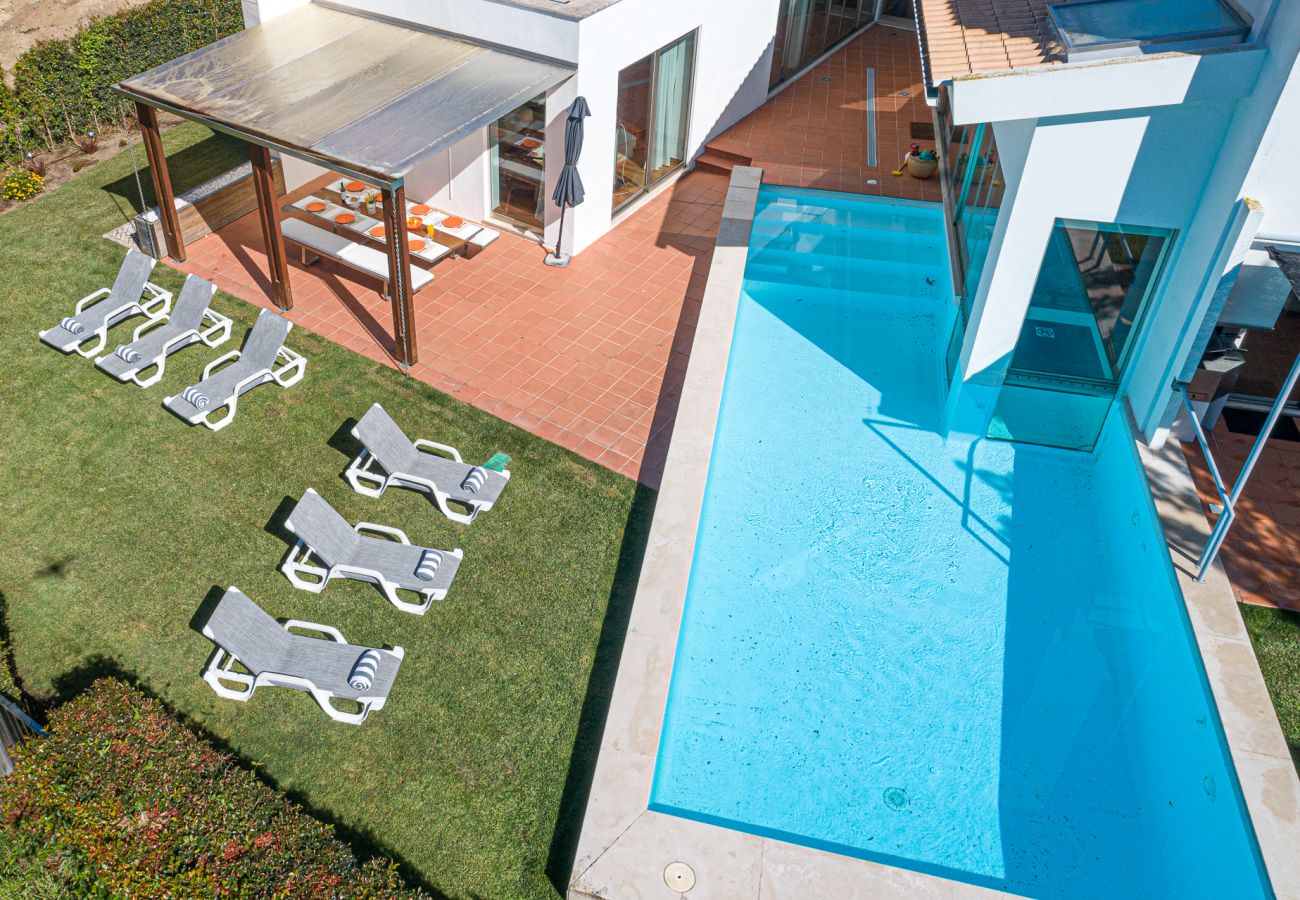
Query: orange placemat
(416, 244)
(345, 218)
(420, 209)
(530, 144)
(377, 231)
(356, 186)
(453, 222)
(315, 206)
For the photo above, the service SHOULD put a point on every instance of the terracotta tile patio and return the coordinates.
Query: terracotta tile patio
(1262, 551)
(814, 133)
(592, 357)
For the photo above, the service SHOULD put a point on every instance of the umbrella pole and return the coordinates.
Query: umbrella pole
(558, 259)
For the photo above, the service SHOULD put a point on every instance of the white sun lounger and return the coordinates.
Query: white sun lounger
(156, 340)
(86, 330)
(254, 651)
(433, 468)
(329, 547)
(263, 358)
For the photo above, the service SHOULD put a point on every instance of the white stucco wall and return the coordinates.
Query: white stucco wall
(733, 55)
(1196, 140)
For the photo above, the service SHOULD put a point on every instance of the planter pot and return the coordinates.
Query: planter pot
(922, 168)
(370, 208)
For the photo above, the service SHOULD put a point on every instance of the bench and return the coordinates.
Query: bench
(349, 253)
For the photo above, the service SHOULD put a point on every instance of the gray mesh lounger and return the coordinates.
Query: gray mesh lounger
(152, 342)
(329, 547)
(441, 476)
(251, 366)
(270, 654)
(96, 313)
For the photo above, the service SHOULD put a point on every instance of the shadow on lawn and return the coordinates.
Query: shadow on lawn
(364, 844)
(600, 687)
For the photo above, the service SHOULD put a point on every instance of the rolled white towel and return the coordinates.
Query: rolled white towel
(475, 480)
(127, 354)
(72, 326)
(196, 398)
(362, 677)
(428, 567)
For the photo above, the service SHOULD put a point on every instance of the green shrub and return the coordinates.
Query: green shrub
(123, 801)
(61, 87)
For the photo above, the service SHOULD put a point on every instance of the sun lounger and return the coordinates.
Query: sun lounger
(440, 473)
(329, 547)
(132, 294)
(255, 364)
(253, 651)
(154, 341)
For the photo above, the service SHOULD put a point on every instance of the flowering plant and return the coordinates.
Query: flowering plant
(21, 184)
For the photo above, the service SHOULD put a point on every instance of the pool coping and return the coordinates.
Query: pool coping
(624, 847)
(1265, 771)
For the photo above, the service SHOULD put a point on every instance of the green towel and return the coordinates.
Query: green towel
(498, 462)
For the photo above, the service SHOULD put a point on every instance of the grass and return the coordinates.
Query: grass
(121, 524)
(1276, 636)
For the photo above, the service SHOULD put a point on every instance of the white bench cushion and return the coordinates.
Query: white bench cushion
(358, 256)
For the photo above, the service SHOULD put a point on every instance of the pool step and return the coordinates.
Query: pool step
(911, 248)
(812, 261)
(868, 276)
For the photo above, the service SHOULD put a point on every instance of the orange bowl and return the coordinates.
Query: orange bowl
(345, 218)
(453, 222)
(356, 185)
(416, 244)
(377, 231)
(315, 206)
(414, 223)
(420, 209)
(530, 144)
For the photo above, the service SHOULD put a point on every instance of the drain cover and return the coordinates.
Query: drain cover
(680, 877)
(896, 799)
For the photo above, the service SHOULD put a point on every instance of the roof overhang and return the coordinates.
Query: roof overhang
(360, 94)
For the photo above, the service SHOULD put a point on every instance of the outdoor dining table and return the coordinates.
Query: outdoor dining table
(363, 225)
(457, 238)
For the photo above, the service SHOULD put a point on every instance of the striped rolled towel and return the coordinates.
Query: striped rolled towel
(196, 398)
(362, 677)
(475, 480)
(72, 326)
(127, 354)
(428, 567)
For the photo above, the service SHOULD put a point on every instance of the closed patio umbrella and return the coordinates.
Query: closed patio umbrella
(568, 187)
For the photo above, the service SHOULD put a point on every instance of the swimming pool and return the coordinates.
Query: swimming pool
(956, 655)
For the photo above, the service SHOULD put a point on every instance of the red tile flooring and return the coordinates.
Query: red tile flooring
(592, 357)
(1262, 550)
(814, 133)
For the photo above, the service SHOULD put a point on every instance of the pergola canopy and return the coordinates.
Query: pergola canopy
(355, 93)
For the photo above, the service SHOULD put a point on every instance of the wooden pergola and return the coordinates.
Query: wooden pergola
(362, 95)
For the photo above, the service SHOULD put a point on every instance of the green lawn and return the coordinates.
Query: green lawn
(1276, 636)
(119, 521)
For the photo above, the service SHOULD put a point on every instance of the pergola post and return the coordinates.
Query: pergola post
(147, 116)
(399, 275)
(276, 261)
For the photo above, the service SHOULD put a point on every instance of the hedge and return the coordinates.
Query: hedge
(61, 87)
(123, 801)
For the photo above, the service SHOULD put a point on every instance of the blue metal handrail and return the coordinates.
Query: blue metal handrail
(1230, 498)
(12, 708)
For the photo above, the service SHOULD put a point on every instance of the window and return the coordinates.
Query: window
(654, 99)
(519, 164)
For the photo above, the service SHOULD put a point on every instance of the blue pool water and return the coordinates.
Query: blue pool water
(956, 655)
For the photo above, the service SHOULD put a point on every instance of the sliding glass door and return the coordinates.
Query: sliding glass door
(653, 114)
(519, 164)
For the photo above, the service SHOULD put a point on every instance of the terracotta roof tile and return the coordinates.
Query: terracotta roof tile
(963, 37)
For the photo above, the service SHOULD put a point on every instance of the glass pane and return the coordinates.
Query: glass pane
(672, 97)
(519, 163)
(899, 9)
(632, 130)
(844, 17)
(816, 30)
(778, 46)
(796, 43)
